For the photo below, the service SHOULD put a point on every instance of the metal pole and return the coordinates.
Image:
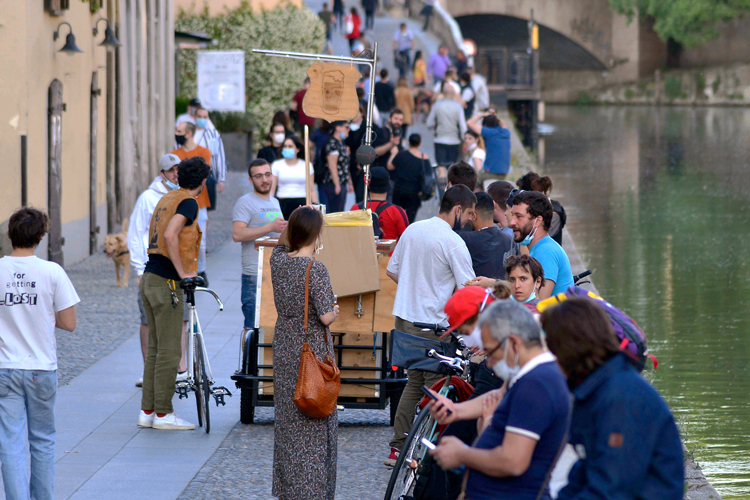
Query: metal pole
(368, 130)
(308, 189)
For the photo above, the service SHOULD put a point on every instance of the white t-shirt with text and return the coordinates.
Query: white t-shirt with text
(431, 261)
(291, 179)
(33, 290)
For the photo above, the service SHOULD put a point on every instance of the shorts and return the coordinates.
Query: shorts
(143, 312)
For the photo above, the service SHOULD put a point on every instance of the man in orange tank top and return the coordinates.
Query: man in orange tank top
(188, 148)
(174, 241)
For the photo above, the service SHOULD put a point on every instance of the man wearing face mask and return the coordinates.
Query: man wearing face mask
(531, 216)
(188, 148)
(140, 220)
(525, 428)
(207, 136)
(189, 117)
(429, 263)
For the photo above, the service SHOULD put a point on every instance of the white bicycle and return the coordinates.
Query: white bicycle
(200, 379)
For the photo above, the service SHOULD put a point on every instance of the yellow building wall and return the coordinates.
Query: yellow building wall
(218, 6)
(31, 62)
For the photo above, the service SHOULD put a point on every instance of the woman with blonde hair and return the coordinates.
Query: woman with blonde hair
(405, 102)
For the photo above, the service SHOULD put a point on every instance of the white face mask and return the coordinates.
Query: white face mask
(354, 127)
(472, 147)
(279, 138)
(502, 370)
(474, 339)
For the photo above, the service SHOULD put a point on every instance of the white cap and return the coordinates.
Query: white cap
(168, 161)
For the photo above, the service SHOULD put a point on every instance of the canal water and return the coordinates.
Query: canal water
(659, 201)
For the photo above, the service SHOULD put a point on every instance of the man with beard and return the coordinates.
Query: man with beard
(531, 216)
(256, 214)
(429, 263)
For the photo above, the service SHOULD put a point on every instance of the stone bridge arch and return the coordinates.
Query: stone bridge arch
(584, 27)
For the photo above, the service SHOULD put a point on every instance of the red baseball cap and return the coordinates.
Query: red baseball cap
(465, 304)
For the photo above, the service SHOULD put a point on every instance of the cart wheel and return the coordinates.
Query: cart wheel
(247, 410)
(394, 400)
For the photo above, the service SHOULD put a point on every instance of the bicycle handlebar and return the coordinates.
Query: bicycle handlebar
(579, 277)
(430, 326)
(216, 296)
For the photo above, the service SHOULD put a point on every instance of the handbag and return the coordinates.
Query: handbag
(318, 382)
(427, 190)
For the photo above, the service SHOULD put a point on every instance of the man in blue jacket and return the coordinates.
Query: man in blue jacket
(626, 439)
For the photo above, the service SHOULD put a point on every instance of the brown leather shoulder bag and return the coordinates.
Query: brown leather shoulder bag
(318, 382)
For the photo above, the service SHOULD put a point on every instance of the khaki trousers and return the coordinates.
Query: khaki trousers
(412, 392)
(164, 342)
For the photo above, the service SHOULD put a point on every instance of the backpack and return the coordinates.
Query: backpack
(632, 339)
(376, 217)
(560, 211)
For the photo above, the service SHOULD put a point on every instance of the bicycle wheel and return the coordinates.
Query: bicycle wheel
(202, 391)
(407, 468)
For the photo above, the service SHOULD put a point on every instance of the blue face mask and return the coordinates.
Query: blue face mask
(287, 153)
(531, 297)
(201, 122)
(171, 185)
(529, 238)
(343, 136)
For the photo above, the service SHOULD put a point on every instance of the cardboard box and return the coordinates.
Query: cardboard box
(350, 255)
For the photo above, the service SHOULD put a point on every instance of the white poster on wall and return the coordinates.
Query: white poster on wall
(221, 80)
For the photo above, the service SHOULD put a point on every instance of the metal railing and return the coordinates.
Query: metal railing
(511, 68)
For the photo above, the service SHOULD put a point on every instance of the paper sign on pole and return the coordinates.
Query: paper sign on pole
(221, 80)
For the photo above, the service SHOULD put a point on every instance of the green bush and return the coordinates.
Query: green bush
(270, 81)
(232, 122)
(584, 99)
(716, 84)
(672, 87)
(629, 94)
(181, 105)
(700, 82)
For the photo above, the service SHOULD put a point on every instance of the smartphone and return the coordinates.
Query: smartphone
(427, 444)
(429, 393)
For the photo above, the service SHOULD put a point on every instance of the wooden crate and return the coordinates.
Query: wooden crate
(375, 315)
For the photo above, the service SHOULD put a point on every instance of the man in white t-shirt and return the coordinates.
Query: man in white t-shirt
(256, 214)
(37, 297)
(430, 262)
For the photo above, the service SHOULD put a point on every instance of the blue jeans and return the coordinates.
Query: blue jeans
(247, 296)
(27, 400)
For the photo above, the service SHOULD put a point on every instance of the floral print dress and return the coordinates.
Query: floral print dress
(304, 455)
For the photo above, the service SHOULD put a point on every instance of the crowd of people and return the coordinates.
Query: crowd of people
(480, 266)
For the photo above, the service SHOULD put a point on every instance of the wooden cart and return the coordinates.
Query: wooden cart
(360, 336)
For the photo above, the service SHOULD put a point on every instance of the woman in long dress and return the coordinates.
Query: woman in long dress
(304, 457)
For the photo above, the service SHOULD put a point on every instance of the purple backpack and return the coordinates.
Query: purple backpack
(632, 338)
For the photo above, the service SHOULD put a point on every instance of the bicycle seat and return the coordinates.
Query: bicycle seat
(192, 282)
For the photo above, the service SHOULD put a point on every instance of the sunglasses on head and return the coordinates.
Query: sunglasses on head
(511, 195)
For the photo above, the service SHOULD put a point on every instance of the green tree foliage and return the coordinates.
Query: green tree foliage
(688, 22)
(271, 81)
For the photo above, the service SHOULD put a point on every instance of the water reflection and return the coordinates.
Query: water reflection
(658, 199)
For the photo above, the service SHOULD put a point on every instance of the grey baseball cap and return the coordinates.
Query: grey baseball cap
(168, 161)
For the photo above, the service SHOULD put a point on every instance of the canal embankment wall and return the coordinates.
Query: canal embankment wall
(697, 486)
(727, 85)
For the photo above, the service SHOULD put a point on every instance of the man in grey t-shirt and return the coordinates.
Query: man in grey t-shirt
(256, 214)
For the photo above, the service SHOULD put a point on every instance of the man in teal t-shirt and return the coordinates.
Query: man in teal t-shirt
(531, 216)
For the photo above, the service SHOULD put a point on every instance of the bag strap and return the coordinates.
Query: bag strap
(381, 208)
(557, 455)
(307, 294)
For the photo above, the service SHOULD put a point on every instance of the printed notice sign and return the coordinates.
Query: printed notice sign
(221, 80)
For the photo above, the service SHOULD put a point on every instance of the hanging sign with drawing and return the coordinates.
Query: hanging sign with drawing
(332, 94)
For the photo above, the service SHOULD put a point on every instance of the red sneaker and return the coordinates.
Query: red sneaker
(391, 460)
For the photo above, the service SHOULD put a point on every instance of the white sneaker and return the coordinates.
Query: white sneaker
(171, 422)
(145, 420)
(139, 383)
(181, 376)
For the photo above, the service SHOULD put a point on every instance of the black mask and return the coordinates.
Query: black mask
(457, 223)
(180, 139)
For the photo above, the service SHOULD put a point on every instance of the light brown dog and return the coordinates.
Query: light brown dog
(116, 247)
